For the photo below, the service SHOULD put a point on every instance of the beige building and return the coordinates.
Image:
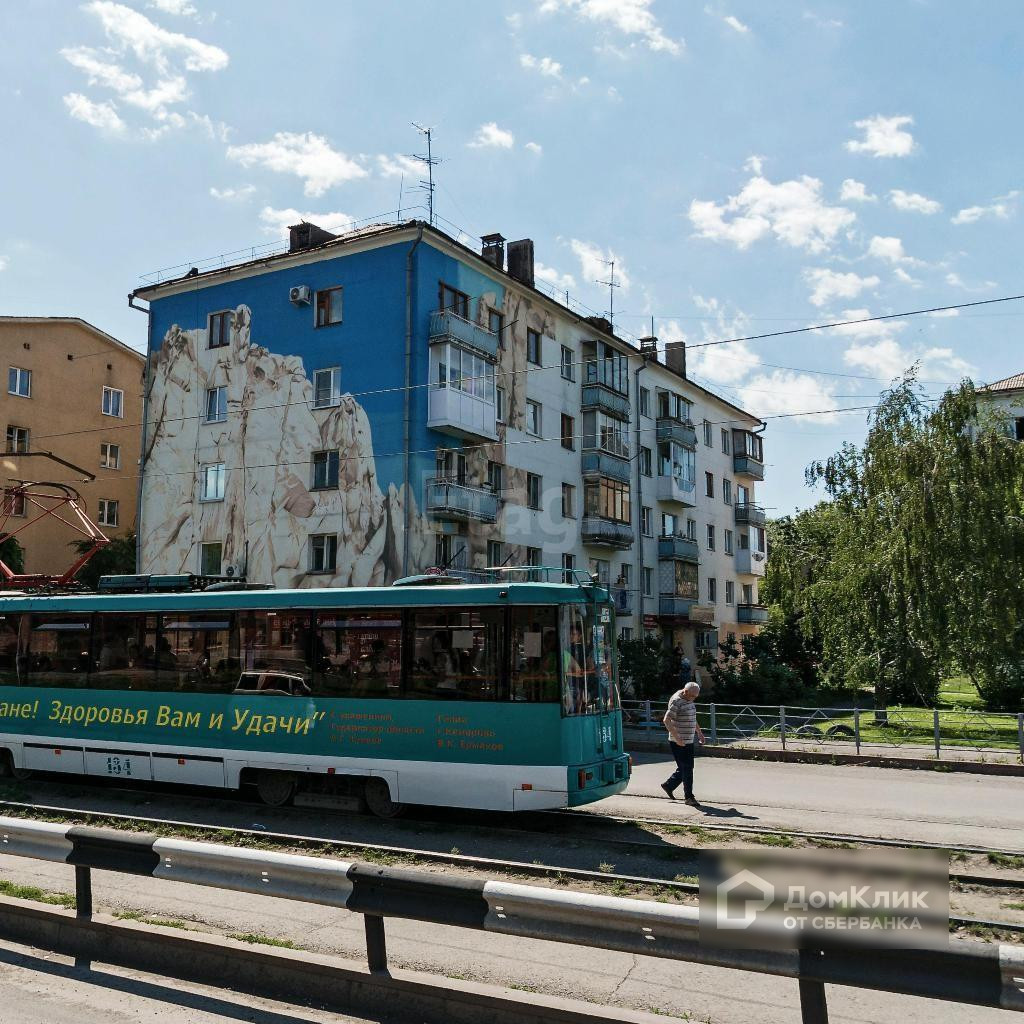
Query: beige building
(1006, 397)
(76, 392)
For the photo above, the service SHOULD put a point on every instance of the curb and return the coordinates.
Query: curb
(817, 757)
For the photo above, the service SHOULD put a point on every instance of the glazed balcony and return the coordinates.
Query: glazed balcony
(750, 563)
(678, 548)
(752, 614)
(681, 431)
(448, 326)
(674, 606)
(601, 463)
(601, 389)
(678, 490)
(450, 499)
(748, 466)
(622, 598)
(456, 412)
(599, 532)
(749, 515)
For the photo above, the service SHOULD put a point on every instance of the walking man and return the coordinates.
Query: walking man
(681, 722)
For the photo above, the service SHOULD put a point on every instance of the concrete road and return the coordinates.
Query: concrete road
(890, 803)
(38, 987)
(600, 976)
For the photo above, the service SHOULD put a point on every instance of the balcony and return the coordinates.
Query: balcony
(606, 533)
(449, 499)
(675, 607)
(747, 465)
(677, 489)
(750, 563)
(448, 326)
(461, 414)
(611, 402)
(679, 548)
(681, 431)
(623, 600)
(749, 515)
(601, 463)
(752, 614)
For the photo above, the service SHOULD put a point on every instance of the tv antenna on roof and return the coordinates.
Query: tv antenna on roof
(428, 185)
(612, 285)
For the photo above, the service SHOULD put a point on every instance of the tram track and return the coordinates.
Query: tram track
(627, 884)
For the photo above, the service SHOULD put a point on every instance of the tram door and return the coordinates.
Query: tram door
(609, 741)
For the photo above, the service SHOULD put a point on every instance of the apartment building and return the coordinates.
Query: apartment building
(75, 391)
(368, 405)
(1006, 398)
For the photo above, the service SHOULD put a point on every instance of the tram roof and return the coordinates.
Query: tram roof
(474, 594)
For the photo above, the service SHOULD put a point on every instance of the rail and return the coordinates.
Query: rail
(975, 973)
(936, 729)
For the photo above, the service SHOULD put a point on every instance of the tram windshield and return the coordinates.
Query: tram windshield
(589, 678)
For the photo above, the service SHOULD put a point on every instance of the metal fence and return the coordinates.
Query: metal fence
(950, 729)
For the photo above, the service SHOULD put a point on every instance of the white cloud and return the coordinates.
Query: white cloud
(887, 248)
(902, 275)
(544, 65)
(99, 71)
(100, 115)
(785, 392)
(625, 17)
(276, 222)
(214, 129)
(734, 23)
(943, 314)
(308, 156)
(1000, 208)
(856, 192)
(883, 136)
(534, 147)
(829, 23)
(490, 136)
(827, 285)
(229, 195)
(179, 7)
(594, 263)
(720, 364)
(913, 202)
(550, 276)
(398, 164)
(3, 263)
(754, 163)
(888, 359)
(955, 280)
(791, 210)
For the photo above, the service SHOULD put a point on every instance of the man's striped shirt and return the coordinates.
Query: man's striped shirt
(681, 719)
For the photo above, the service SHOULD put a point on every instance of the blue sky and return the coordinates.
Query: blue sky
(749, 166)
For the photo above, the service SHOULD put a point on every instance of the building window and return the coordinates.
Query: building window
(19, 382)
(533, 490)
(325, 470)
(568, 364)
(608, 499)
(727, 541)
(568, 501)
(211, 557)
(625, 575)
(647, 581)
(495, 553)
(759, 535)
(327, 387)
(712, 590)
(107, 512)
(452, 465)
(16, 502)
(533, 346)
(726, 442)
(328, 307)
(742, 495)
(645, 520)
(496, 477)
(707, 433)
(730, 592)
(323, 552)
(748, 593)
(454, 301)
(499, 405)
(214, 476)
(602, 569)
(220, 329)
(533, 418)
(626, 634)
(496, 325)
(534, 556)
(568, 432)
(726, 491)
(110, 455)
(691, 529)
(645, 461)
(216, 404)
(669, 525)
(645, 401)
(605, 433)
(568, 565)
(711, 537)
(113, 402)
(17, 438)
(709, 484)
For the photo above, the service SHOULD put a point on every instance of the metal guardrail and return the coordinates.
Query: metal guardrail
(938, 729)
(968, 972)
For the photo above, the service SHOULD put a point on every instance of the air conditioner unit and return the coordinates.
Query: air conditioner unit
(300, 295)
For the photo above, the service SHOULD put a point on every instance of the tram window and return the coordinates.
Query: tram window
(358, 654)
(589, 659)
(535, 659)
(199, 650)
(457, 654)
(118, 661)
(12, 653)
(275, 642)
(59, 650)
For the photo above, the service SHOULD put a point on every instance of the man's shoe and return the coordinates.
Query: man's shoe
(668, 792)
(692, 801)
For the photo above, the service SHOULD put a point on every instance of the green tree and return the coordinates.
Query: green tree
(12, 554)
(750, 671)
(117, 558)
(645, 667)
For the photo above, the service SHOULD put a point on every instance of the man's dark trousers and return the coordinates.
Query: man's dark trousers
(684, 769)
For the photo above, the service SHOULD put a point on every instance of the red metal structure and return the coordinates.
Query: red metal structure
(36, 500)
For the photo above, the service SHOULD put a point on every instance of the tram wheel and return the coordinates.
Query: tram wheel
(378, 799)
(9, 768)
(276, 788)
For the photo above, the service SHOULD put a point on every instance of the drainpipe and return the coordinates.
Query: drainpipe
(407, 415)
(145, 423)
(639, 583)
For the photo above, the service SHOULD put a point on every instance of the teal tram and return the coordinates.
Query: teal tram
(500, 695)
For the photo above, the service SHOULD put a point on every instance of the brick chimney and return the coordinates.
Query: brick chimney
(675, 356)
(493, 250)
(520, 260)
(307, 236)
